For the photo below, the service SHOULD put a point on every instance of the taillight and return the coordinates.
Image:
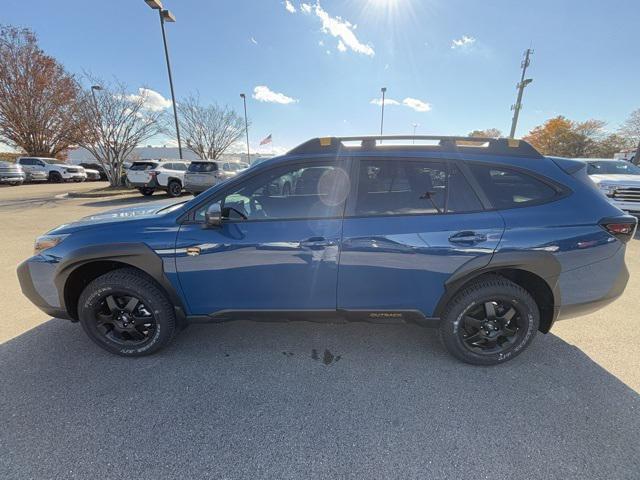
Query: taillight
(623, 227)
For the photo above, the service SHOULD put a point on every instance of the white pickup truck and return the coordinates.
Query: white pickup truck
(151, 175)
(54, 170)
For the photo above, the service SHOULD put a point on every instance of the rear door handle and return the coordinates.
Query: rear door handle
(316, 243)
(467, 238)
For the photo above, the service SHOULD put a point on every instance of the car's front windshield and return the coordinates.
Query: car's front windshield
(613, 168)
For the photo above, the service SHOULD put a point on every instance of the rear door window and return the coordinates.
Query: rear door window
(507, 188)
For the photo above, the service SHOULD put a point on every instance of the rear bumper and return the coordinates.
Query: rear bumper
(12, 178)
(36, 281)
(153, 183)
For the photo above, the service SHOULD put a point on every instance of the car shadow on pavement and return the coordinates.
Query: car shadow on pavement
(306, 400)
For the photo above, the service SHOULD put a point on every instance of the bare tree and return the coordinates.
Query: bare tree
(117, 123)
(38, 99)
(631, 130)
(208, 130)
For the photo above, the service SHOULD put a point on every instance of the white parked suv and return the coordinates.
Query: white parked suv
(619, 180)
(54, 169)
(151, 175)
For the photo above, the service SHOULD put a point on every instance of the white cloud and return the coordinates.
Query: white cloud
(339, 28)
(417, 105)
(387, 101)
(321, 43)
(152, 100)
(254, 41)
(412, 103)
(463, 42)
(289, 6)
(262, 93)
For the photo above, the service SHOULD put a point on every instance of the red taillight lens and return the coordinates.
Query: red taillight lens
(623, 228)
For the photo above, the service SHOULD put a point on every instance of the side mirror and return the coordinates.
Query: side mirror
(213, 215)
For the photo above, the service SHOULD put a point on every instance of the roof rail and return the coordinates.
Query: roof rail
(493, 146)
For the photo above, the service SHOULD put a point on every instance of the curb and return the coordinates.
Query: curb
(98, 194)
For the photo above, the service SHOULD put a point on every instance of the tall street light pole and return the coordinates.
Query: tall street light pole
(523, 83)
(95, 88)
(246, 125)
(383, 90)
(167, 16)
(415, 125)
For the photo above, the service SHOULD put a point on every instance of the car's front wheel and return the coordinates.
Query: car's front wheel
(489, 321)
(126, 313)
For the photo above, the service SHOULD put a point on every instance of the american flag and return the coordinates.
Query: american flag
(266, 140)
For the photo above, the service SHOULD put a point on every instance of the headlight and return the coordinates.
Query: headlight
(47, 241)
(608, 190)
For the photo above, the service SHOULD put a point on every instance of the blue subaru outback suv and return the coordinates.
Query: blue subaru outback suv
(485, 239)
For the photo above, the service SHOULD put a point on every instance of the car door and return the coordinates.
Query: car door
(272, 251)
(410, 224)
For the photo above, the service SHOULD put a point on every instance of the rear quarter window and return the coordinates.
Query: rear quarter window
(507, 188)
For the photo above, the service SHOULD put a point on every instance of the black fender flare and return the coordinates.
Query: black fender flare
(539, 262)
(138, 255)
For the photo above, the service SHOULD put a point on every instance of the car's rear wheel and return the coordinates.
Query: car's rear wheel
(490, 321)
(127, 313)
(146, 191)
(174, 189)
(55, 177)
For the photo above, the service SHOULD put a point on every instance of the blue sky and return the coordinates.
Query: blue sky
(451, 65)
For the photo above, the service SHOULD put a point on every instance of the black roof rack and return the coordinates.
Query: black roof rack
(493, 146)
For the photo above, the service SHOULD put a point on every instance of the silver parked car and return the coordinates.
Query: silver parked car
(11, 174)
(203, 174)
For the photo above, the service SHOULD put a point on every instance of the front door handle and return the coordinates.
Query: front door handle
(467, 238)
(316, 243)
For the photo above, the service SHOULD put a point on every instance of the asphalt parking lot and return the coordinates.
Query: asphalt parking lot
(305, 400)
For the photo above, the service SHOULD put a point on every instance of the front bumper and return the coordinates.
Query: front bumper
(36, 276)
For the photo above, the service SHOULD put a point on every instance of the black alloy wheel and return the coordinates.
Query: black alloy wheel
(491, 327)
(124, 319)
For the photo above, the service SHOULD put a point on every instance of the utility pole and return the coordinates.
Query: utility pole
(246, 126)
(521, 86)
(383, 90)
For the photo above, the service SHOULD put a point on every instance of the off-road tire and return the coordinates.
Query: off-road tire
(479, 291)
(135, 283)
